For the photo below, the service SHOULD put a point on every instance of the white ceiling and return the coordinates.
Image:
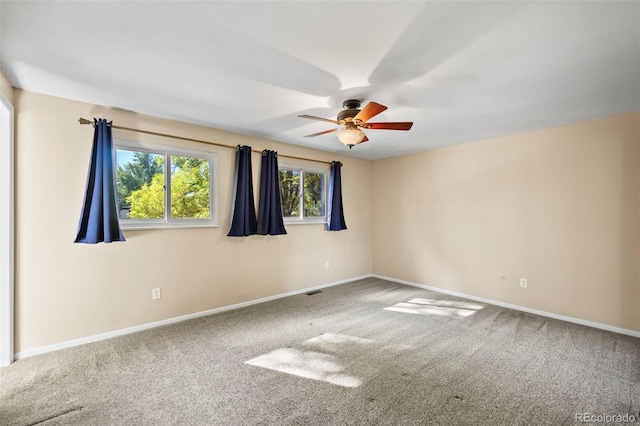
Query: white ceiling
(461, 71)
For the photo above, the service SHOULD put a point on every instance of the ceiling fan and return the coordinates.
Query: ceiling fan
(354, 120)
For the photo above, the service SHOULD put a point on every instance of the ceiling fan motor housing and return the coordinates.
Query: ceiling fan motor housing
(351, 109)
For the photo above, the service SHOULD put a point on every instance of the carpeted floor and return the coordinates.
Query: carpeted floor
(365, 353)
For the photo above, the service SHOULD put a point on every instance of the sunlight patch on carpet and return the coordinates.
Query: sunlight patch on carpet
(450, 308)
(308, 364)
(332, 342)
(338, 359)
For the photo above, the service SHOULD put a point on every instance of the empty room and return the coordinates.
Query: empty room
(319, 213)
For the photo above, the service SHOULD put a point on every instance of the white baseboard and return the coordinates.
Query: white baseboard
(110, 334)
(515, 307)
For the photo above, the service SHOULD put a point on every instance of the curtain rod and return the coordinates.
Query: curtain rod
(166, 135)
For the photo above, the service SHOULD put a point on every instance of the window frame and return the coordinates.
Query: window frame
(168, 152)
(301, 219)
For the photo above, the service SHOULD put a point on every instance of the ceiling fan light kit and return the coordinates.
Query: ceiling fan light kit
(353, 119)
(350, 136)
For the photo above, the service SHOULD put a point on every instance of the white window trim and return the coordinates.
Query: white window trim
(7, 246)
(166, 223)
(325, 196)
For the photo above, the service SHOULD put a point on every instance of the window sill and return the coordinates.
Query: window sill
(166, 226)
(305, 222)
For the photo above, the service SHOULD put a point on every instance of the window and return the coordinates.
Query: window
(303, 195)
(165, 187)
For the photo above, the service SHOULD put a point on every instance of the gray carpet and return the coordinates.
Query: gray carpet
(369, 352)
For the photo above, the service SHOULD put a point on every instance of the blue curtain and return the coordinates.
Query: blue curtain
(99, 218)
(270, 219)
(244, 221)
(335, 212)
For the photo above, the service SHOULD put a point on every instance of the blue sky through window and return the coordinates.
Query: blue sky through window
(123, 157)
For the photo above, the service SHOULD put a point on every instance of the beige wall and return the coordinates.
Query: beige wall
(67, 291)
(5, 87)
(559, 206)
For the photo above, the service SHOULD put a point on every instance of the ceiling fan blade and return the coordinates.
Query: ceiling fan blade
(399, 125)
(364, 139)
(320, 133)
(313, 117)
(371, 110)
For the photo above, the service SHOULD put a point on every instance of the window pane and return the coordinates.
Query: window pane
(190, 190)
(140, 181)
(290, 192)
(313, 190)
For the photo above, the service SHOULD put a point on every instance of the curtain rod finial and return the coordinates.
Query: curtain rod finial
(84, 121)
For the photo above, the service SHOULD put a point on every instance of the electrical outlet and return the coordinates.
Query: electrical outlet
(155, 293)
(326, 265)
(523, 282)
